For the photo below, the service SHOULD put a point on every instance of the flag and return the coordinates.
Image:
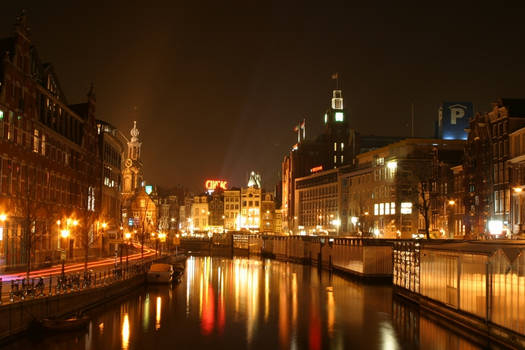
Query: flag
(335, 76)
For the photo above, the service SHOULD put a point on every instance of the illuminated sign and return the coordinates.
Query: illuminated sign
(454, 119)
(130, 222)
(148, 189)
(213, 184)
(316, 169)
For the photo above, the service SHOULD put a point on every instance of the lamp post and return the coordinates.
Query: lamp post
(128, 238)
(518, 190)
(3, 218)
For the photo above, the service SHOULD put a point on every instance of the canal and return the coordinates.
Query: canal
(257, 304)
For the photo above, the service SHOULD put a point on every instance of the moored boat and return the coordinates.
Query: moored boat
(73, 323)
(160, 273)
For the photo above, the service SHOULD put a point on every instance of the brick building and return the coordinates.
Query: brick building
(50, 167)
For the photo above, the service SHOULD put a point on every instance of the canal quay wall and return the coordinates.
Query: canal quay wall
(478, 285)
(16, 318)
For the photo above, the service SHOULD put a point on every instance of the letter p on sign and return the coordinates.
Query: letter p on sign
(456, 112)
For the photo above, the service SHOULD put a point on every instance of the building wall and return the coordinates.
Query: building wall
(268, 213)
(251, 208)
(232, 209)
(316, 203)
(200, 212)
(49, 167)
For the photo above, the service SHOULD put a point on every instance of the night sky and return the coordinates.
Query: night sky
(216, 88)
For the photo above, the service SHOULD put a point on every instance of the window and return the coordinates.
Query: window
(406, 208)
(387, 208)
(335, 146)
(342, 146)
(342, 157)
(376, 209)
(36, 141)
(339, 116)
(325, 118)
(335, 159)
(392, 208)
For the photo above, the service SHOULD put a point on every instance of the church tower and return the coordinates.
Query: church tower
(132, 175)
(337, 132)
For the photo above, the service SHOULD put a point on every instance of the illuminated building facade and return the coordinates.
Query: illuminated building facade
(200, 213)
(316, 206)
(385, 188)
(251, 208)
(216, 209)
(111, 148)
(232, 209)
(487, 169)
(268, 213)
(50, 167)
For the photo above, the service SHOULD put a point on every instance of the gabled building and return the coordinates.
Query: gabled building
(50, 165)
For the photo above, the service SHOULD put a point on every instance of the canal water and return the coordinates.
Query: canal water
(245, 303)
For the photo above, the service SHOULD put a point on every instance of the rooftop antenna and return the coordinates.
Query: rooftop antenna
(335, 77)
(412, 119)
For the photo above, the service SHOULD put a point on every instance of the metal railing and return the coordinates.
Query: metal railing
(21, 289)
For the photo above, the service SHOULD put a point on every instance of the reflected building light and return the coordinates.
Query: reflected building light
(294, 302)
(388, 338)
(266, 294)
(145, 323)
(330, 310)
(125, 332)
(158, 311)
(283, 314)
(89, 337)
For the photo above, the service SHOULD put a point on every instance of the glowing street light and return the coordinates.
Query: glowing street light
(128, 235)
(104, 225)
(64, 233)
(3, 217)
(75, 222)
(518, 189)
(451, 202)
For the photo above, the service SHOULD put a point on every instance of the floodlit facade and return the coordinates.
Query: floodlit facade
(250, 208)
(200, 213)
(232, 209)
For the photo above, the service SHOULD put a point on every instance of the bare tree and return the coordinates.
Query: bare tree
(87, 234)
(424, 205)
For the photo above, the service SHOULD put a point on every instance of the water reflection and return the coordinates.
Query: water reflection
(251, 303)
(125, 332)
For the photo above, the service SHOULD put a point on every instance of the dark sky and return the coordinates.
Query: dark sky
(218, 86)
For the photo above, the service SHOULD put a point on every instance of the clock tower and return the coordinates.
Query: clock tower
(132, 175)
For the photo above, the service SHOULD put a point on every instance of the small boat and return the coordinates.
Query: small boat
(160, 273)
(73, 323)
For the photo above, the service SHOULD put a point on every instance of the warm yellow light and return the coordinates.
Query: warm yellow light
(366, 213)
(104, 225)
(153, 234)
(518, 189)
(128, 235)
(3, 217)
(58, 222)
(451, 202)
(75, 222)
(68, 221)
(64, 233)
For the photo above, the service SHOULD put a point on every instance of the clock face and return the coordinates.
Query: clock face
(128, 162)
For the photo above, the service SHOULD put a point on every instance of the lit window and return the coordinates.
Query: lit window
(325, 118)
(342, 158)
(335, 146)
(392, 208)
(342, 146)
(381, 208)
(335, 159)
(387, 208)
(406, 208)
(1, 115)
(376, 209)
(339, 116)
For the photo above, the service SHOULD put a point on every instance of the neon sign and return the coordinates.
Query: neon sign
(213, 184)
(316, 169)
